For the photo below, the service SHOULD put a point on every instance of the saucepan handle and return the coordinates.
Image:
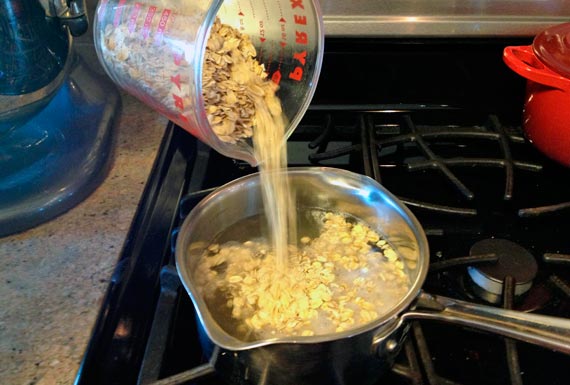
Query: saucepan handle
(545, 331)
(197, 373)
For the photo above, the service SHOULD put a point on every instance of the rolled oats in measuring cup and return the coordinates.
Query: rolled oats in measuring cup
(157, 49)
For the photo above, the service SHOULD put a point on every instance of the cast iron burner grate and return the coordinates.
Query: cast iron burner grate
(411, 152)
(424, 147)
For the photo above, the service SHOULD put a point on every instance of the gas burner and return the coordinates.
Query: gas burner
(513, 260)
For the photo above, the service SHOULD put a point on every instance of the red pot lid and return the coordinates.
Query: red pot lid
(552, 47)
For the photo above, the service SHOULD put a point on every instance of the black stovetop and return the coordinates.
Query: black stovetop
(437, 123)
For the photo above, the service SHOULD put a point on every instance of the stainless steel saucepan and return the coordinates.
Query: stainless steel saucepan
(354, 356)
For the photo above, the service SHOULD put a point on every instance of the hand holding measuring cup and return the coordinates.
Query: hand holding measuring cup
(155, 51)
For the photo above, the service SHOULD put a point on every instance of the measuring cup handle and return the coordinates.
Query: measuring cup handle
(546, 331)
(523, 61)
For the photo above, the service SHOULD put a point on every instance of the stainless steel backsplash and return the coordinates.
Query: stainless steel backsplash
(442, 18)
(434, 18)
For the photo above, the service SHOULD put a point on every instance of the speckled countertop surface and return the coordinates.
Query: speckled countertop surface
(53, 277)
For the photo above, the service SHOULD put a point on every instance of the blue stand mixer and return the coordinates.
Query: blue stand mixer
(56, 113)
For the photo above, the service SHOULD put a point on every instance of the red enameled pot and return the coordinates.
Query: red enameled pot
(546, 66)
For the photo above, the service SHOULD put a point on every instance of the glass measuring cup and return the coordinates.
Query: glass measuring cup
(154, 49)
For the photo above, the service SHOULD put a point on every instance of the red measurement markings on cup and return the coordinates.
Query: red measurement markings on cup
(118, 13)
(178, 100)
(148, 21)
(159, 35)
(276, 77)
(241, 17)
(283, 41)
(261, 31)
(134, 16)
(240, 12)
(301, 38)
(280, 8)
(261, 39)
(177, 57)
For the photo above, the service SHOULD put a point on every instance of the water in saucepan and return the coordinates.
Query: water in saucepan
(340, 275)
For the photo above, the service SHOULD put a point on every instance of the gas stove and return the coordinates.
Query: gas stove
(437, 122)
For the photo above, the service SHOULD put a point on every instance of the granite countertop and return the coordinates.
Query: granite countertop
(53, 277)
